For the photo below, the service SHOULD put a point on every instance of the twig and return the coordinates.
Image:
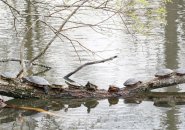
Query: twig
(51, 41)
(11, 6)
(18, 60)
(86, 64)
(59, 30)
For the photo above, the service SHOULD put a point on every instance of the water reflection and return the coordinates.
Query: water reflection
(171, 53)
(96, 113)
(113, 101)
(163, 47)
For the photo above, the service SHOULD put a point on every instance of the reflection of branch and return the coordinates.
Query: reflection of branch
(41, 72)
(86, 64)
(18, 60)
(56, 35)
(133, 36)
(10, 6)
(59, 30)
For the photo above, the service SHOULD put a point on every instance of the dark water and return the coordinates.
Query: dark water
(161, 46)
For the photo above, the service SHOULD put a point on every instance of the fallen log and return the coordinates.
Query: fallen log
(19, 89)
(156, 83)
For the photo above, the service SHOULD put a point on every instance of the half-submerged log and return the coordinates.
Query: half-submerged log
(158, 83)
(21, 90)
(17, 89)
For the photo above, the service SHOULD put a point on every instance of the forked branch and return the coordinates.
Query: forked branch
(86, 64)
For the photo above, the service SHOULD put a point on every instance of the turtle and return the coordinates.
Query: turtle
(180, 71)
(164, 73)
(91, 87)
(8, 75)
(38, 82)
(113, 89)
(132, 82)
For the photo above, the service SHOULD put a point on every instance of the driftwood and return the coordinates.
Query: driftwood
(17, 89)
(86, 64)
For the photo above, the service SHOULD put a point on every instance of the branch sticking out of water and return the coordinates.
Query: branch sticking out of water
(86, 64)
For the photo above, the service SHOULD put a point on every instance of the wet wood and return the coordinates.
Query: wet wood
(17, 89)
(86, 64)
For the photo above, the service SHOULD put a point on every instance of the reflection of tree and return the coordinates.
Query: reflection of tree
(49, 123)
(171, 53)
(137, 10)
(171, 42)
(69, 22)
(23, 123)
(33, 35)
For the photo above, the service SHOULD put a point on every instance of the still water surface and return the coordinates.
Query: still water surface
(163, 46)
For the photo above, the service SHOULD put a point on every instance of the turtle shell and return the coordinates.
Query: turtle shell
(164, 73)
(91, 87)
(8, 75)
(180, 71)
(37, 80)
(131, 81)
(113, 89)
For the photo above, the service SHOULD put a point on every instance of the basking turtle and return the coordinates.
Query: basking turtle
(132, 82)
(7, 75)
(180, 71)
(91, 87)
(38, 82)
(113, 89)
(164, 73)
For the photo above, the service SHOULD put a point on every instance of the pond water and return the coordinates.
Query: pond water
(158, 46)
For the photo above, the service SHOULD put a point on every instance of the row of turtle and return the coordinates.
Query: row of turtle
(161, 74)
(38, 81)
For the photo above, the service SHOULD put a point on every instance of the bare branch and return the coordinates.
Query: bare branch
(86, 64)
(18, 60)
(59, 30)
(11, 6)
(49, 43)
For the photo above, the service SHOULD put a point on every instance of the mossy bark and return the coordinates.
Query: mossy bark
(17, 89)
